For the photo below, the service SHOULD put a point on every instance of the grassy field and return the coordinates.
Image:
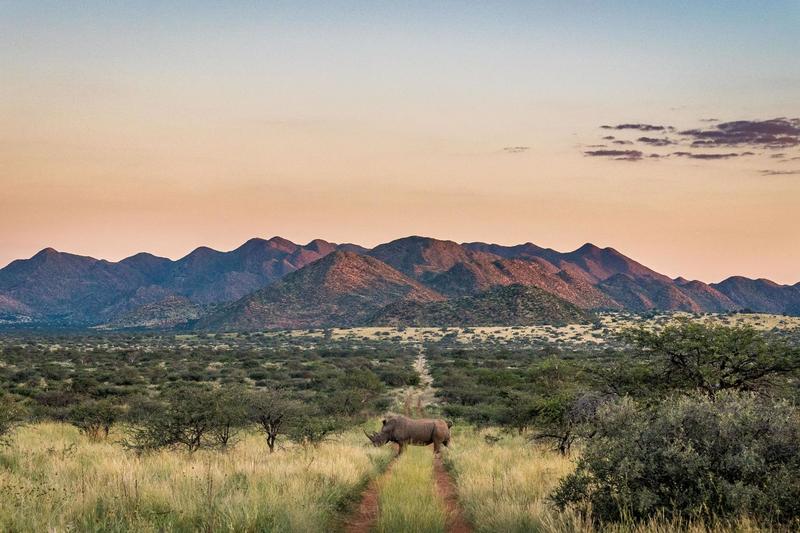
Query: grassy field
(54, 479)
(504, 486)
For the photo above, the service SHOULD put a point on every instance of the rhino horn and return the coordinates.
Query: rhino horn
(370, 437)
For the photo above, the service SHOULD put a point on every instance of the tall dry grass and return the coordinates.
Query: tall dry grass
(505, 486)
(54, 479)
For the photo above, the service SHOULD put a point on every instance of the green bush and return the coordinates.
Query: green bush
(94, 418)
(10, 416)
(692, 457)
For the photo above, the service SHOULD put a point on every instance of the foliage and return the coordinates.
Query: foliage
(310, 430)
(270, 411)
(94, 418)
(691, 457)
(185, 417)
(10, 416)
(714, 357)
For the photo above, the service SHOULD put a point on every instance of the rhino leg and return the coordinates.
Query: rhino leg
(437, 447)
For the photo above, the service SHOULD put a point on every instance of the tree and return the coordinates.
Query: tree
(184, 416)
(563, 418)
(270, 410)
(713, 357)
(229, 415)
(94, 417)
(10, 416)
(308, 429)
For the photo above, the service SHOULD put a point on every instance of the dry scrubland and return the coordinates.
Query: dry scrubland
(504, 486)
(607, 323)
(55, 479)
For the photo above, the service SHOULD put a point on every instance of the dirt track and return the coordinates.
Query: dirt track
(365, 517)
(456, 523)
(414, 401)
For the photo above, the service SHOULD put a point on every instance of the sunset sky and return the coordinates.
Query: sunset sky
(162, 126)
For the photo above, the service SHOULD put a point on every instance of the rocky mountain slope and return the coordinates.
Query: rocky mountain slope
(342, 289)
(62, 289)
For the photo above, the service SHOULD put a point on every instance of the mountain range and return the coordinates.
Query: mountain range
(414, 280)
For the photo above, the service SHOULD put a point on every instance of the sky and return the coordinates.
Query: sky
(163, 126)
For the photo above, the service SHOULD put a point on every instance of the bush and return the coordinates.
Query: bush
(191, 416)
(10, 416)
(691, 458)
(94, 418)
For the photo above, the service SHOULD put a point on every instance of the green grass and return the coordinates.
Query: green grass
(407, 497)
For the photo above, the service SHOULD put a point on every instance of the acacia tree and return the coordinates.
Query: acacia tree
(184, 416)
(566, 417)
(94, 418)
(270, 410)
(229, 415)
(713, 357)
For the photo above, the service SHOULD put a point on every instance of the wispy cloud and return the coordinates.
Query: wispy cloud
(652, 141)
(780, 172)
(711, 142)
(516, 149)
(639, 127)
(619, 155)
(711, 156)
(773, 133)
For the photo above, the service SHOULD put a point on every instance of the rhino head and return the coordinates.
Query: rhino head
(379, 438)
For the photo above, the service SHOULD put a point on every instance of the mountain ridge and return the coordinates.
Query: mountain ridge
(61, 288)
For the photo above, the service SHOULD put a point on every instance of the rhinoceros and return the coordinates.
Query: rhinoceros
(421, 432)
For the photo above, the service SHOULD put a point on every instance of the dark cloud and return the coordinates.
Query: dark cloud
(693, 155)
(652, 141)
(773, 139)
(773, 133)
(619, 155)
(780, 172)
(640, 127)
(516, 149)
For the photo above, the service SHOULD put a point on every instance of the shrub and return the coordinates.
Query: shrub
(94, 418)
(10, 416)
(691, 458)
(183, 418)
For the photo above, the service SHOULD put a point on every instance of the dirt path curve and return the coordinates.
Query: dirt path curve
(446, 489)
(364, 518)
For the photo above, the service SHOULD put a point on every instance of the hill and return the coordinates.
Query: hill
(342, 289)
(510, 305)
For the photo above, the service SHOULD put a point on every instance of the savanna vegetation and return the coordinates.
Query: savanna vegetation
(672, 425)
